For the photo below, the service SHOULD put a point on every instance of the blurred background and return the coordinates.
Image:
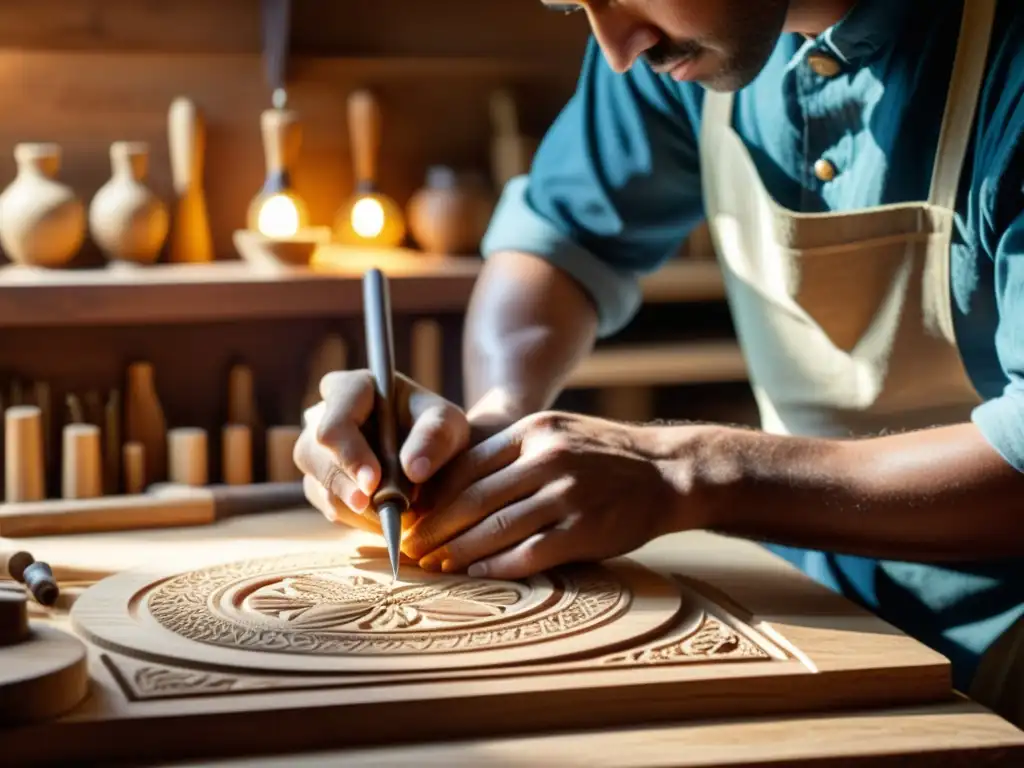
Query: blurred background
(141, 141)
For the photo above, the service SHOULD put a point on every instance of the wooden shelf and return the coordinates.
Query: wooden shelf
(233, 290)
(695, 362)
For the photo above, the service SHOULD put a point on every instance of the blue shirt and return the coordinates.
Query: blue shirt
(615, 188)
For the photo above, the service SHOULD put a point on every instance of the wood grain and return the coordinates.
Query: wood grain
(836, 657)
(128, 25)
(498, 27)
(41, 677)
(469, 27)
(959, 735)
(232, 291)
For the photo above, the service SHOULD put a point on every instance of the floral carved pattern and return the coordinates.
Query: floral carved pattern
(325, 604)
(711, 640)
(330, 601)
(153, 682)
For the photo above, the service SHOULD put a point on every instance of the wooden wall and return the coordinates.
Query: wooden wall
(84, 73)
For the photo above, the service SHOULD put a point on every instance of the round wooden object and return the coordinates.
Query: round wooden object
(330, 612)
(280, 447)
(134, 461)
(23, 439)
(82, 473)
(187, 456)
(13, 614)
(42, 677)
(236, 454)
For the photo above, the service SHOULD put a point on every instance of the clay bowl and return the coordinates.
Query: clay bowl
(280, 253)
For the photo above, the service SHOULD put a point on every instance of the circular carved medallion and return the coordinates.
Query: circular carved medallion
(329, 612)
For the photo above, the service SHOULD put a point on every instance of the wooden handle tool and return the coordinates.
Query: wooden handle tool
(133, 456)
(188, 456)
(38, 577)
(162, 506)
(25, 478)
(391, 499)
(81, 462)
(281, 441)
(236, 454)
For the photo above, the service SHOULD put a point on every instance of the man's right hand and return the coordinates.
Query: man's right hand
(340, 468)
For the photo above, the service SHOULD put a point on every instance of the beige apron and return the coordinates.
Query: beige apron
(845, 318)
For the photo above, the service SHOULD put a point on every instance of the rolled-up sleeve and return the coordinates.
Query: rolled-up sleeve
(1001, 419)
(614, 188)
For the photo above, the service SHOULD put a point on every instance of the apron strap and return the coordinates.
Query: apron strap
(962, 101)
(716, 115)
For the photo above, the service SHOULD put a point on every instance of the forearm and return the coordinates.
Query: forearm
(941, 494)
(527, 327)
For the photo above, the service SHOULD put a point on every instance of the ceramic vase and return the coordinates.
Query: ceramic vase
(450, 214)
(42, 221)
(126, 220)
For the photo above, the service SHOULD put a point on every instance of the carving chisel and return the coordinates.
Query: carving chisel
(391, 499)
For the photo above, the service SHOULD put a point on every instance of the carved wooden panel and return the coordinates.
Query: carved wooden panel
(264, 643)
(329, 612)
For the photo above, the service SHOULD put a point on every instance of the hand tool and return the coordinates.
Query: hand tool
(391, 499)
(165, 505)
(38, 577)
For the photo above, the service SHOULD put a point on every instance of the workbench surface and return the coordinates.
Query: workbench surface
(905, 734)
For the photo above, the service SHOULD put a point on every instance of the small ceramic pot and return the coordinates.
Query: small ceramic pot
(126, 220)
(42, 221)
(450, 213)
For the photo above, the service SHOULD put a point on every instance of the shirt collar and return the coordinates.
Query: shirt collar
(866, 28)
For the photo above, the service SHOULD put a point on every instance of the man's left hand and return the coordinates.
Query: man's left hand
(551, 489)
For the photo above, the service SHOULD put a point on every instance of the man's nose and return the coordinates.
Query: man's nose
(622, 37)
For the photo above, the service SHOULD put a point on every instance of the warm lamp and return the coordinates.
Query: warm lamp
(278, 234)
(281, 214)
(369, 217)
(277, 211)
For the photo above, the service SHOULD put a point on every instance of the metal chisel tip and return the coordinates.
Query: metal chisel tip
(391, 525)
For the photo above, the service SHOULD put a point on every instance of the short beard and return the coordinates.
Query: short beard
(743, 55)
(668, 52)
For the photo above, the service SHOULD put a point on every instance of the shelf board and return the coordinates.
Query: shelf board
(233, 290)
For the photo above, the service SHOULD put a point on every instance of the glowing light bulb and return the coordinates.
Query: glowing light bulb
(368, 217)
(278, 217)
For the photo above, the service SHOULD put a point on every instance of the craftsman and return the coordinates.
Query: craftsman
(871, 235)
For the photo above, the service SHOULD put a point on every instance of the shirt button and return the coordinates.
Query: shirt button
(824, 170)
(823, 65)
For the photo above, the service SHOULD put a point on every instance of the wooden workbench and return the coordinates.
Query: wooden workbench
(919, 726)
(953, 735)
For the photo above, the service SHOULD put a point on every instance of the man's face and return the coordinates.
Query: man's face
(722, 44)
